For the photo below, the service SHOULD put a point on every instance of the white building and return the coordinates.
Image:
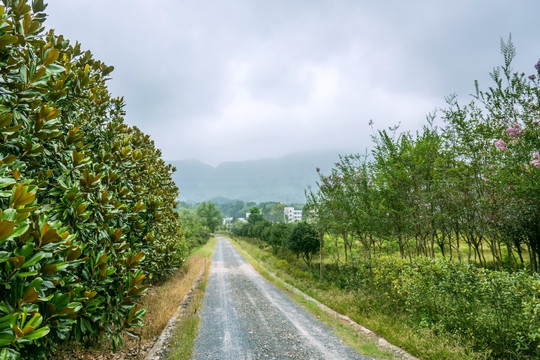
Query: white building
(292, 215)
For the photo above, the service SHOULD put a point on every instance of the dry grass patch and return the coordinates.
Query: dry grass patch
(187, 330)
(161, 302)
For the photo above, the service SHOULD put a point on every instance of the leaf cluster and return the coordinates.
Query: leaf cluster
(87, 204)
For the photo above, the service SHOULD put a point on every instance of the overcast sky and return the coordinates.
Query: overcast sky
(222, 80)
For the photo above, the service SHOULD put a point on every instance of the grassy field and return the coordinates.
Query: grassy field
(363, 309)
(333, 250)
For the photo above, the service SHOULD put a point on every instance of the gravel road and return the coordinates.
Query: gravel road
(245, 317)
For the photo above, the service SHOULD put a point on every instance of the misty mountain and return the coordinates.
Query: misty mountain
(283, 179)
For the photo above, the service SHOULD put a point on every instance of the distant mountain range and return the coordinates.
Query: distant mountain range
(283, 179)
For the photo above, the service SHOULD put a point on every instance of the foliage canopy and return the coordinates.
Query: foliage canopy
(87, 205)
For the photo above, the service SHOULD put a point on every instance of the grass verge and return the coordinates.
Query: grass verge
(161, 302)
(186, 331)
(363, 343)
(361, 308)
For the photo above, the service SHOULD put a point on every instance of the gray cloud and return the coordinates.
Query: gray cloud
(243, 79)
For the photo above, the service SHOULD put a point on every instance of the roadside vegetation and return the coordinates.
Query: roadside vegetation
(87, 206)
(162, 302)
(435, 232)
(187, 330)
(362, 307)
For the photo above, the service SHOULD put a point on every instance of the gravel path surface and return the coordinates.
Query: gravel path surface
(245, 317)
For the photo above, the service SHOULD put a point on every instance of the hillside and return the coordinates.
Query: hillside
(283, 179)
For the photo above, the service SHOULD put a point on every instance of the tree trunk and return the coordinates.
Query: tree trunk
(321, 242)
(337, 247)
(345, 245)
(401, 250)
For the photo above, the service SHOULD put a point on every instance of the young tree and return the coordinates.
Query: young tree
(192, 227)
(255, 216)
(210, 215)
(303, 241)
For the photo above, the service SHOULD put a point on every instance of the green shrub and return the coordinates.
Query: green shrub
(498, 311)
(87, 204)
(282, 264)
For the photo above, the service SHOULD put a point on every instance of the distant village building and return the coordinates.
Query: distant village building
(292, 215)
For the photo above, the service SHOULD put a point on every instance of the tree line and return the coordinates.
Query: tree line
(301, 238)
(237, 209)
(467, 188)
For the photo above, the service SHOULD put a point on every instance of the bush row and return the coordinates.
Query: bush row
(87, 206)
(498, 311)
(300, 238)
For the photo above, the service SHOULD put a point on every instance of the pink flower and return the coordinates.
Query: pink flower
(514, 131)
(535, 122)
(536, 161)
(358, 176)
(370, 122)
(387, 214)
(318, 169)
(501, 145)
(485, 178)
(492, 167)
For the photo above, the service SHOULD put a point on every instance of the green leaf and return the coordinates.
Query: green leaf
(26, 274)
(38, 6)
(6, 182)
(19, 230)
(9, 354)
(55, 69)
(34, 259)
(8, 39)
(36, 334)
(9, 214)
(24, 73)
(4, 255)
(35, 321)
(36, 284)
(6, 338)
(8, 321)
(27, 250)
(60, 300)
